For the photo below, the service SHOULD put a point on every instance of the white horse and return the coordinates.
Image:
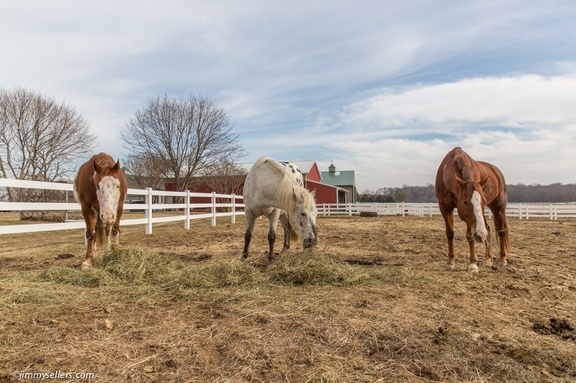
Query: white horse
(275, 189)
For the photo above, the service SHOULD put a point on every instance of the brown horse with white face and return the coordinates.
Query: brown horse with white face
(470, 186)
(100, 187)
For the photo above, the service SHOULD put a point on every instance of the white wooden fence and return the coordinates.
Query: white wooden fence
(429, 209)
(219, 205)
(228, 205)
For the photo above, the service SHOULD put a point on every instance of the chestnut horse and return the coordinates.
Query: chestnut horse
(469, 186)
(100, 187)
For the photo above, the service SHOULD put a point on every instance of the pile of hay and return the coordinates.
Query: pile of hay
(137, 267)
(314, 268)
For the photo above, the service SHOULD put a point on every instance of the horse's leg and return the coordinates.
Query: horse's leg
(473, 267)
(116, 226)
(448, 215)
(250, 220)
(503, 236)
(488, 245)
(286, 227)
(116, 232)
(274, 216)
(90, 236)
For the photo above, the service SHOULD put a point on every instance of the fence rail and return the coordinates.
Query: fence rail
(208, 205)
(213, 205)
(429, 209)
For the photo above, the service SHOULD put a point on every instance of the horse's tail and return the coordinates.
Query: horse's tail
(101, 234)
(503, 238)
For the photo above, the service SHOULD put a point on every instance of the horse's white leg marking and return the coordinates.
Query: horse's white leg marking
(86, 266)
(473, 268)
(481, 230)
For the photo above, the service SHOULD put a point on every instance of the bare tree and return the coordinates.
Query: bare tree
(224, 178)
(146, 170)
(40, 139)
(187, 134)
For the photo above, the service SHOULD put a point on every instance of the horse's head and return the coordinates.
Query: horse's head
(108, 190)
(471, 203)
(303, 217)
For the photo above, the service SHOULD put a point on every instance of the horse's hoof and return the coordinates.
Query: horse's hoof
(86, 266)
(473, 268)
(499, 267)
(449, 267)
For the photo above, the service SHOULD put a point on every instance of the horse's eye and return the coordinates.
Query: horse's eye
(466, 202)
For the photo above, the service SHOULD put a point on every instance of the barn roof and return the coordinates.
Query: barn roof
(304, 166)
(339, 178)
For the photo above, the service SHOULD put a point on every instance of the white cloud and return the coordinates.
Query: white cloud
(526, 125)
(507, 101)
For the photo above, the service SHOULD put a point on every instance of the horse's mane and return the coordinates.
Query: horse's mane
(463, 165)
(287, 189)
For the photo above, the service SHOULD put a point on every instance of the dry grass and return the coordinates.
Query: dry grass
(372, 303)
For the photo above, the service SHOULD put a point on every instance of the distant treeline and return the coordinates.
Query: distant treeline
(552, 193)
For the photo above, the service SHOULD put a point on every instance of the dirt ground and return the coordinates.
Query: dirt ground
(389, 313)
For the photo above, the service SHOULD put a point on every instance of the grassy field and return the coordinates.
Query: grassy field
(371, 303)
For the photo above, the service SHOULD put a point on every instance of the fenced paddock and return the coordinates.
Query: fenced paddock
(158, 206)
(372, 302)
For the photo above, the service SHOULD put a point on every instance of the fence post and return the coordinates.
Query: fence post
(213, 223)
(233, 219)
(148, 229)
(187, 213)
(349, 209)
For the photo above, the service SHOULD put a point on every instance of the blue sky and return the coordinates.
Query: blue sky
(385, 88)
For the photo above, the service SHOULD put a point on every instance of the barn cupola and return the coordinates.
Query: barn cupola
(332, 168)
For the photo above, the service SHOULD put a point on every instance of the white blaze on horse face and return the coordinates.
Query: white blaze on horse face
(108, 193)
(481, 230)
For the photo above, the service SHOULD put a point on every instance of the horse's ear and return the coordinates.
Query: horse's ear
(116, 167)
(96, 167)
(460, 180)
(295, 196)
(313, 192)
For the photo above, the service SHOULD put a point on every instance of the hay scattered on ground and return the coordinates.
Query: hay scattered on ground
(134, 266)
(316, 268)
